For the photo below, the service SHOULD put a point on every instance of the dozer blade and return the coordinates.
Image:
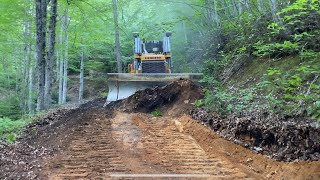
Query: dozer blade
(123, 85)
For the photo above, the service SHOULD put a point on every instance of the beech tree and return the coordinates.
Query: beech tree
(51, 52)
(66, 57)
(41, 15)
(60, 60)
(117, 36)
(81, 78)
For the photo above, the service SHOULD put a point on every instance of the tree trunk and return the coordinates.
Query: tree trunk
(226, 8)
(240, 10)
(274, 9)
(61, 63)
(216, 15)
(51, 47)
(16, 68)
(17, 58)
(27, 35)
(65, 68)
(81, 77)
(210, 10)
(123, 19)
(117, 36)
(57, 62)
(260, 5)
(185, 32)
(28, 81)
(41, 19)
(28, 59)
(30, 89)
(247, 4)
(234, 8)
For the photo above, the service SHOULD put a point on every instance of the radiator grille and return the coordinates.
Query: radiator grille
(153, 67)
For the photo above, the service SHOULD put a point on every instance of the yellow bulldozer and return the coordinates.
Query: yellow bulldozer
(152, 66)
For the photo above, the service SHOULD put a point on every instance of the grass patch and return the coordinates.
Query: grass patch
(199, 103)
(156, 113)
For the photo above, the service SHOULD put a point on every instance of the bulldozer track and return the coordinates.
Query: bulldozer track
(180, 152)
(90, 155)
(137, 144)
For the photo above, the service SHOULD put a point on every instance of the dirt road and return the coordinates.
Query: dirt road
(138, 145)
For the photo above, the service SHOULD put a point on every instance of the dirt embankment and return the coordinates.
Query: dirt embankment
(258, 166)
(284, 139)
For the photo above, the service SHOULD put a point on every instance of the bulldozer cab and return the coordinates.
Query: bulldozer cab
(151, 56)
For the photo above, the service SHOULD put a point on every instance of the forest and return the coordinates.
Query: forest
(256, 55)
(254, 113)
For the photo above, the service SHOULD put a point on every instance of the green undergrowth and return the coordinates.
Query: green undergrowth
(257, 68)
(10, 107)
(288, 86)
(10, 129)
(276, 71)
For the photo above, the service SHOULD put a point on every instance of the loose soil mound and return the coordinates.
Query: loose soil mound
(283, 139)
(181, 93)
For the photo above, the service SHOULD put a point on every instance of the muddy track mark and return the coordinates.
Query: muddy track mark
(165, 143)
(137, 144)
(91, 154)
